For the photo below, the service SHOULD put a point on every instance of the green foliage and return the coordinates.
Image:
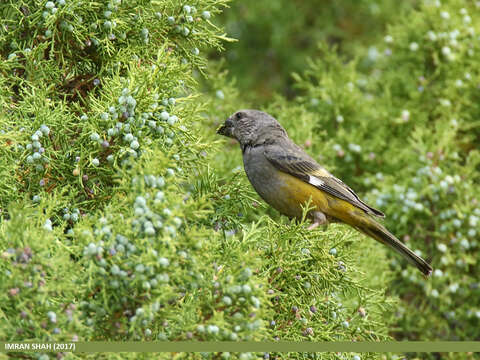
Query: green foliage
(445, 224)
(123, 216)
(88, 82)
(120, 215)
(276, 37)
(38, 286)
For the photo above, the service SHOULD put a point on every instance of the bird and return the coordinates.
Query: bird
(287, 178)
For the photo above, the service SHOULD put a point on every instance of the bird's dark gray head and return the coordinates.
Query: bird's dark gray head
(250, 127)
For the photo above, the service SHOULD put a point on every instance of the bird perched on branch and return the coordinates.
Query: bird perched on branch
(287, 178)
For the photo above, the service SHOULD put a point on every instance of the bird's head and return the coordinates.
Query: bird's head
(249, 127)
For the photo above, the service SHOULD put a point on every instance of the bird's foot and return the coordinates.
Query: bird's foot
(319, 218)
(313, 226)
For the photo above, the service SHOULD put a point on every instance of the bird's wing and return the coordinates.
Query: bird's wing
(292, 160)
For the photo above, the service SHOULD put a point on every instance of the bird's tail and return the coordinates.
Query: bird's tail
(377, 231)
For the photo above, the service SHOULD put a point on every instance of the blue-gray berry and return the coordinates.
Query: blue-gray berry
(134, 145)
(163, 262)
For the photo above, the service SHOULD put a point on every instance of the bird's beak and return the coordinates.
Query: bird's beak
(226, 129)
(222, 130)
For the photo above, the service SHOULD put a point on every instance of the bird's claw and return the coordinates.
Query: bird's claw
(319, 218)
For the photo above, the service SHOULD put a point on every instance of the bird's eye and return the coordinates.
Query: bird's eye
(239, 115)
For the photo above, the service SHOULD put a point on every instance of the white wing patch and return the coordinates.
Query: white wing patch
(315, 181)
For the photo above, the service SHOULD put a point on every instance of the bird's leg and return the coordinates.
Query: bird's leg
(319, 218)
